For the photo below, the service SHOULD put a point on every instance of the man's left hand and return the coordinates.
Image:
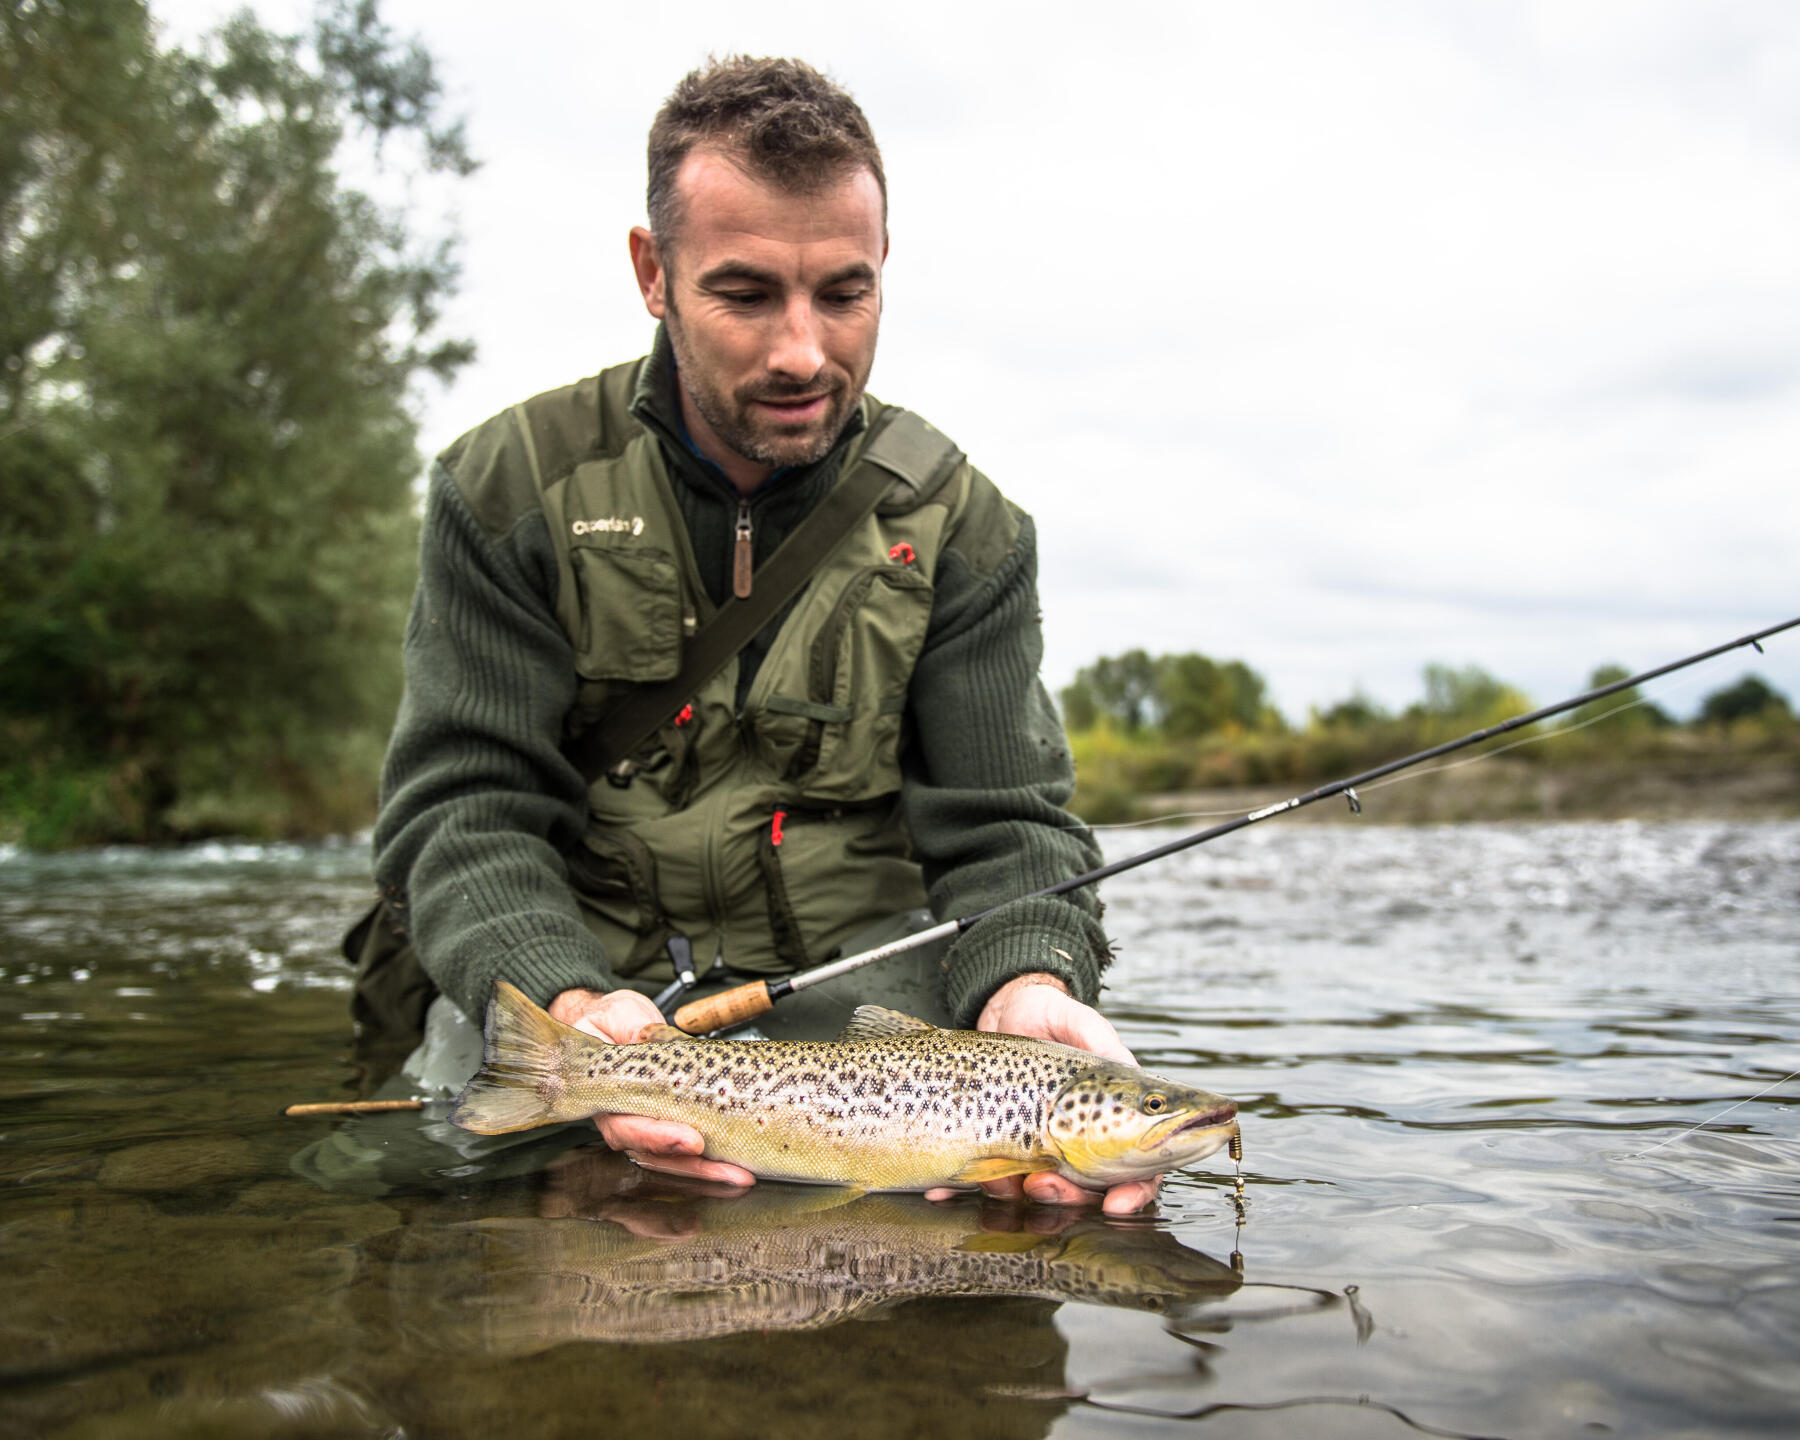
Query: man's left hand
(1040, 1005)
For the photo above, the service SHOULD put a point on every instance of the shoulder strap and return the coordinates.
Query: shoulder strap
(904, 449)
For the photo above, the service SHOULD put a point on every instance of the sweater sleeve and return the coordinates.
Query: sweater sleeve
(987, 774)
(478, 802)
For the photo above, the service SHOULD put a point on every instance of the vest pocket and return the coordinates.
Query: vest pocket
(857, 673)
(630, 614)
(613, 873)
(849, 868)
(784, 924)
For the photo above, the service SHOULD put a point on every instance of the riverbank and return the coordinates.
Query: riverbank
(1720, 787)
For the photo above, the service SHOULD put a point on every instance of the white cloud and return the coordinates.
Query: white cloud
(1335, 337)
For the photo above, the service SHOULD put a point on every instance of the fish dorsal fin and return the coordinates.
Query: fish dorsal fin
(872, 1022)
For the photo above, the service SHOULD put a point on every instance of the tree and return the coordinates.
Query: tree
(1622, 711)
(1749, 698)
(206, 355)
(1465, 699)
(1182, 696)
(1122, 690)
(1198, 696)
(1358, 711)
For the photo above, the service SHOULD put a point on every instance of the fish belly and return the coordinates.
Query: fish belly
(816, 1155)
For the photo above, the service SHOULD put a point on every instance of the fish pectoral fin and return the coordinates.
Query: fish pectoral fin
(874, 1022)
(998, 1167)
(660, 1033)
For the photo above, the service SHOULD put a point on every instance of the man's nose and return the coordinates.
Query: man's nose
(796, 352)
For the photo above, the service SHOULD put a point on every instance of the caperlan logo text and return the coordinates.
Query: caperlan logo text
(616, 525)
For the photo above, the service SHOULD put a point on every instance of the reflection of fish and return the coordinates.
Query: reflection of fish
(776, 1260)
(892, 1104)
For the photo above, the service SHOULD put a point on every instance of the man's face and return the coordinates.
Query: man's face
(772, 302)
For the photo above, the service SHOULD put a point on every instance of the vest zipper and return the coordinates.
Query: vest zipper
(741, 554)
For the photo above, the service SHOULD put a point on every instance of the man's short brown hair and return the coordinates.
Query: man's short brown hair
(781, 119)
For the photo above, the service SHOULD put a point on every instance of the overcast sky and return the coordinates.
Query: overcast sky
(1334, 337)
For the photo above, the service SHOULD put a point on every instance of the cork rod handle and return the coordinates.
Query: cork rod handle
(728, 1007)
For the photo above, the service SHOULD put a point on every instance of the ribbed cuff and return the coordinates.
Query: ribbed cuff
(543, 971)
(1047, 935)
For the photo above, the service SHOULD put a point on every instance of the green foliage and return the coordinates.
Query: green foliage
(1199, 697)
(206, 447)
(1183, 696)
(1467, 699)
(1118, 767)
(1749, 698)
(1624, 712)
(1357, 712)
(1123, 690)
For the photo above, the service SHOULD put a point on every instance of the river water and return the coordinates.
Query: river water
(1521, 1159)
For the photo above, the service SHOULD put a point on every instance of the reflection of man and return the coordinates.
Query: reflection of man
(884, 732)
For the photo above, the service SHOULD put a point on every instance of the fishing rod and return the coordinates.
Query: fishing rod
(746, 1002)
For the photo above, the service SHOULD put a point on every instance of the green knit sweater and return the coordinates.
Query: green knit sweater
(479, 804)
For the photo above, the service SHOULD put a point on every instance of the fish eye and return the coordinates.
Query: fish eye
(1154, 1104)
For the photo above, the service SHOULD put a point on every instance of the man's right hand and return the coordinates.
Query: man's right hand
(620, 1017)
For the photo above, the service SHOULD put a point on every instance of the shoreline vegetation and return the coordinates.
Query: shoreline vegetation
(1192, 740)
(209, 361)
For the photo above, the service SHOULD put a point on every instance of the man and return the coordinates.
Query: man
(884, 739)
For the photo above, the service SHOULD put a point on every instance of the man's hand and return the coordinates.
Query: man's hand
(1040, 1005)
(621, 1017)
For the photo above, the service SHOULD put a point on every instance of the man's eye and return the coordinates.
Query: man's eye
(743, 298)
(846, 298)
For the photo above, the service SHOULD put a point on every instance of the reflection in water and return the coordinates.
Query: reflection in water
(1518, 1097)
(620, 1255)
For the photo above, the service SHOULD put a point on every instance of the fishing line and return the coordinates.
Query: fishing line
(1720, 1116)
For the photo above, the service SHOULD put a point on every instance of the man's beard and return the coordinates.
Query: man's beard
(764, 439)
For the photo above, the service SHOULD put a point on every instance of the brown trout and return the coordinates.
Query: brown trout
(893, 1103)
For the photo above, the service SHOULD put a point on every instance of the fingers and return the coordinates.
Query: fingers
(1126, 1199)
(1006, 1188)
(619, 1017)
(694, 1167)
(1129, 1198)
(1087, 1029)
(669, 1147)
(651, 1137)
(1047, 1012)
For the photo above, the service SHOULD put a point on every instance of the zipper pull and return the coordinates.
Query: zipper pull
(740, 556)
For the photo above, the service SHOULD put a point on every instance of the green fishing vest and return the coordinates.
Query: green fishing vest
(767, 836)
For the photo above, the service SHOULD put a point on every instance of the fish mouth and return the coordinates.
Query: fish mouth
(1214, 1118)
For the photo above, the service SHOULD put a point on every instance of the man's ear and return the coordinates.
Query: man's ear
(652, 274)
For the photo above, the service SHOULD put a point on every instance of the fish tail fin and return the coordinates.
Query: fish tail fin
(520, 1081)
